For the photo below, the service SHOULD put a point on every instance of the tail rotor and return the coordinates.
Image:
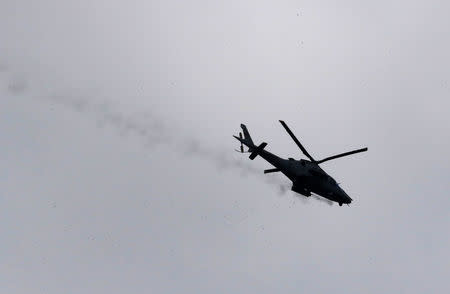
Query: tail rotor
(242, 145)
(245, 140)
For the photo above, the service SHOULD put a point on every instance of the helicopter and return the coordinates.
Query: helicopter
(306, 175)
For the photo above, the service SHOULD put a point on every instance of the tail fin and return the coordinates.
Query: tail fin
(247, 136)
(247, 141)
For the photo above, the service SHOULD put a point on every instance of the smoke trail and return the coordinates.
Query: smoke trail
(153, 131)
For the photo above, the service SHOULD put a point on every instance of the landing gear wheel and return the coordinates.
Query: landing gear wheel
(340, 203)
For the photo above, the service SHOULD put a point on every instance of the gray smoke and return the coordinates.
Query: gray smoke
(153, 131)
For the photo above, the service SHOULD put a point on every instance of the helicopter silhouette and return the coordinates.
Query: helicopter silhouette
(306, 175)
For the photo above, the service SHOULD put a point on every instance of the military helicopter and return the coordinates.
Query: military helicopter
(306, 175)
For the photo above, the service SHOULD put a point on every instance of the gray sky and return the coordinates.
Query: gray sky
(117, 169)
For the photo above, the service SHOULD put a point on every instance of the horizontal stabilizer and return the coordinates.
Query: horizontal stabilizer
(257, 150)
(272, 170)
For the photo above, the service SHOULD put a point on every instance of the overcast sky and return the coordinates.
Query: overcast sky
(117, 169)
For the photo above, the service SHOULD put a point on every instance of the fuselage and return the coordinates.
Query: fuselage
(307, 177)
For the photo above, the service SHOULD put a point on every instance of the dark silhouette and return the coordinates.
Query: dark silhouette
(306, 175)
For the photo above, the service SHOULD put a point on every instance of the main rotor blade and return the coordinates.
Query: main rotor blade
(296, 140)
(342, 154)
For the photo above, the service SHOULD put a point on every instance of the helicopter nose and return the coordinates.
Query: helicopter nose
(346, 197)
